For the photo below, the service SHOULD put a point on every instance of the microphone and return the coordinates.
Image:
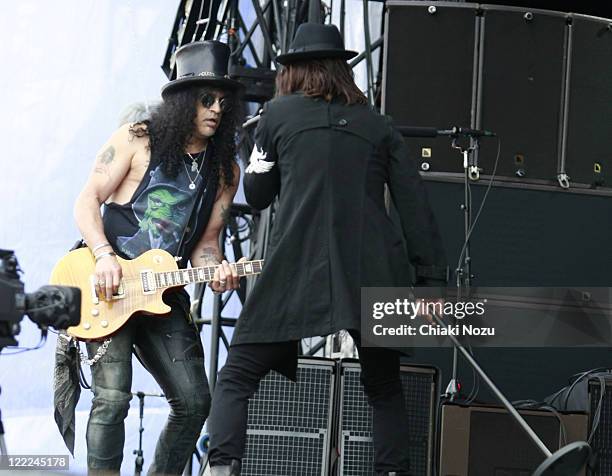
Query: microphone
(251, 121)
(452, 132)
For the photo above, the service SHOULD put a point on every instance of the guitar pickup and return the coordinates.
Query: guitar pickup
(147, 281)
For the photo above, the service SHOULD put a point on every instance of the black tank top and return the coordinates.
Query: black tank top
(162, 209)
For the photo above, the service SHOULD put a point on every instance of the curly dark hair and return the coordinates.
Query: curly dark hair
(172, 124)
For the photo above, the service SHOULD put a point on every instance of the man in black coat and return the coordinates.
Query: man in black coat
(327, 156)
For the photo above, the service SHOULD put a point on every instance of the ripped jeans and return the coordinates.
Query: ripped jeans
(171, 350)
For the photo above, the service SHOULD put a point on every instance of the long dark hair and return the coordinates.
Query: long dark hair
(171, 126)
(325, 78)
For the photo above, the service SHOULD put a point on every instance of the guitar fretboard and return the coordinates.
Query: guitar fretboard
(204, 274)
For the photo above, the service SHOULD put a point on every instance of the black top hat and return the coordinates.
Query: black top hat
(316, 41)
(202, 63)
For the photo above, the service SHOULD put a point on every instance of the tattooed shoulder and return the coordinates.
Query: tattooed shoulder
(107, 156)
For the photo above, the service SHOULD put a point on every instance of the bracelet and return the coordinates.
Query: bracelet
(97, 247)
(104, 255)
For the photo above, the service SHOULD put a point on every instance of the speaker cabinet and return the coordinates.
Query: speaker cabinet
(289, 425)
(589, 105)
(528, 237)
(354, 425)
(486, 441)
(429, 57)
(600, 398)
(520, 90)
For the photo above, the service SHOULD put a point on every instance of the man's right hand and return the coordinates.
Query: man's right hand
(108, 276)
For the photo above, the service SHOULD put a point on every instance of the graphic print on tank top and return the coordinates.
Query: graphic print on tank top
(162, 209)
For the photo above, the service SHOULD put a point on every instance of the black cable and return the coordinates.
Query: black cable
(49, 306)
(535, 405)
(21, 350)
(482, 203)
(579, 378)
(82, 379)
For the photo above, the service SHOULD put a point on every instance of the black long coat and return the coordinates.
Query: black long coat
(332, 234)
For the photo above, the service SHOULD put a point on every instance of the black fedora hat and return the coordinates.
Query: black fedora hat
(202, 63)
(316, 41)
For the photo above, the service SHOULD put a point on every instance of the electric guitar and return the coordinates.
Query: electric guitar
(144, 281)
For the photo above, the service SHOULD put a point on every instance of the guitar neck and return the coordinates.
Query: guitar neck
(204, 274)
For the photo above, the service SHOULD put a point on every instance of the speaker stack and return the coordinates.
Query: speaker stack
(354, 427)
(540, 80)
(322, 424)
(289, 429)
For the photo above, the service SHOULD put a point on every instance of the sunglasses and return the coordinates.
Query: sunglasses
(208, 100)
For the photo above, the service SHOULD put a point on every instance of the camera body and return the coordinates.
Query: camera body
(55, 306)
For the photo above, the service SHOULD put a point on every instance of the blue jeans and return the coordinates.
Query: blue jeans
(170, 349)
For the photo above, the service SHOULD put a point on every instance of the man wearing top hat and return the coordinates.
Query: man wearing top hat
(327, 156)
(167, 182)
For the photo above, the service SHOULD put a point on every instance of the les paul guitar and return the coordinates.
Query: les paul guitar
(144, 280)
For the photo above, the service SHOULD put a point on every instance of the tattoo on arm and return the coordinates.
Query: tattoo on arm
(210, 255)
(102, 170)
(104, 159)
(225, 214)
(107, 156)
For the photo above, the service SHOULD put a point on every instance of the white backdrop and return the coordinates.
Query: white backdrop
(69, 67)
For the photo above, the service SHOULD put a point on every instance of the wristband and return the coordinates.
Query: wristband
(97, 247)
(104, 255)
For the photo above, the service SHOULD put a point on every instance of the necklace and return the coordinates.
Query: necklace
(194, 168)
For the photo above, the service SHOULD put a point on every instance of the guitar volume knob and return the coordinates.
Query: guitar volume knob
(104, 323)
(87, 326)
(95, 312)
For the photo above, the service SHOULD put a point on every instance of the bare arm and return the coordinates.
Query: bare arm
(207, 252)
(110, 168)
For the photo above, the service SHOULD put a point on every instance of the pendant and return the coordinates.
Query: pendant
(194, 166)
(192, 186)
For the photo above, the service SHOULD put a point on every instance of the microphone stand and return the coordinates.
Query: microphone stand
(569, 459)
(139, 461)
(3, 451)
(464, 272)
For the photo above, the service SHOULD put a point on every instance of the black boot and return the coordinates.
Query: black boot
(232, 469)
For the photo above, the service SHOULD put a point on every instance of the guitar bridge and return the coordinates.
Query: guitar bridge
(120, 294)
(92, 287)
(147, 282)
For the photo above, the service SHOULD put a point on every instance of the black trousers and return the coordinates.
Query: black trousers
(247, 364)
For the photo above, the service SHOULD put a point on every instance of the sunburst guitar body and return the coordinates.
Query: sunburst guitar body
(144, 281)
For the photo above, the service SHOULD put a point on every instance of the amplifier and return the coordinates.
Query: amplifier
(485, 441)
(600, 420)
(354, 420)
(290, 423)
